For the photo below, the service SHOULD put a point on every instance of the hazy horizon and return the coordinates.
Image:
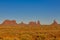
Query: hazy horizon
(46, 11)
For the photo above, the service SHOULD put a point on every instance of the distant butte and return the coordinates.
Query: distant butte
(9, 22)
(54, 23)
(31, 23)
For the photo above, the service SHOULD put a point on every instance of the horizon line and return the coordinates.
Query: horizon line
(30, 21)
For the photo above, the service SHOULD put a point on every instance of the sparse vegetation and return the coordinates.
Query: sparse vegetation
(31, 31)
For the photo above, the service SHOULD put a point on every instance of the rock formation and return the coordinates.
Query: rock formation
(9, 22)
(38, 23)
(32, 23)
(31, 31)
(54, 24)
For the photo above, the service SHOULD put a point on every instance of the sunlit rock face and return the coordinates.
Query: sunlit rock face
(9, 22)
(34, 24)
(31, 31)
(38, 23)
(54, 23)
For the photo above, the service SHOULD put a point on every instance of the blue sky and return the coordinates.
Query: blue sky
(30, 10)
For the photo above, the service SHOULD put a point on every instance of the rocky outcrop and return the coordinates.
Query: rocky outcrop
(9, 22)
(54, 23)
(34, 23)
(38, 23)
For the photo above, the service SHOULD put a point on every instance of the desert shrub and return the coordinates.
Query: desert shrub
(40, 38)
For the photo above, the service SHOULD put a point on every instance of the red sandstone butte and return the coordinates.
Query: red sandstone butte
(54, 24)
(31, 23)
(34, 23)
(38, 23)
(9, 22)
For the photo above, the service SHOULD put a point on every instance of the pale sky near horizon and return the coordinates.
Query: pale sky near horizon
(30, 10)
